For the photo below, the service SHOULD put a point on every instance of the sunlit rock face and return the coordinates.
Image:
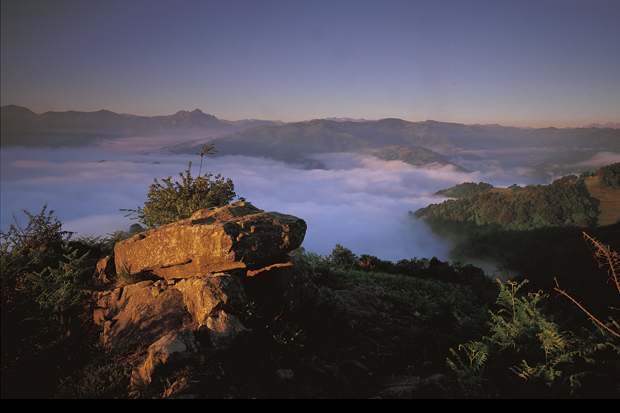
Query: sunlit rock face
(182, 286)
(236, 236)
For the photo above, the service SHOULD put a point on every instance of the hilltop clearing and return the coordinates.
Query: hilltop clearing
(608, 200)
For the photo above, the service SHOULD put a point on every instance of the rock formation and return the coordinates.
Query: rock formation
(238, 236)
(193, 279)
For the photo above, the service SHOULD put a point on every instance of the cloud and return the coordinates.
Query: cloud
(358, 201)
(600, 159)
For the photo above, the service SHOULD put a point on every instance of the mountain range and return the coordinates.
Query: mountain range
(546, 150)
(16, 118)
(612, 125)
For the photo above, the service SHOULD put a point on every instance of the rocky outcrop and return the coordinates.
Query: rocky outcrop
(141, 313)
(105, 269)
(236, 237)
(168, 352)
(192, 280)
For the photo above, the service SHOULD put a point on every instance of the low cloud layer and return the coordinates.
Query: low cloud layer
(600, 159)
(358, 201)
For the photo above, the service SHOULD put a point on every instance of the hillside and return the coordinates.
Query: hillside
(270, 325)
(412, 155)
(535, 232)
(567, 202)
(607, 200)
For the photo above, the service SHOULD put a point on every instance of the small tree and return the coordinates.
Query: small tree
(40, 274)
(206, 150)
(173, 201)
(42, 236)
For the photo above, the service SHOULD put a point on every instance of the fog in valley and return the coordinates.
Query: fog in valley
(357, 201)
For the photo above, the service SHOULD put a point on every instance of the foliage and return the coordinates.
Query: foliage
(413, 155)
(172, 201)
(470, 382)
(43, 273)
(205, 150)
(43, 231)
(527, 354)
(105, 376)
(465, 189)
(493, 339)
(47, 329)
(39, 271)
(610, 260)
(565, 203)
(610, 175)
(431, 304)
(290, 335)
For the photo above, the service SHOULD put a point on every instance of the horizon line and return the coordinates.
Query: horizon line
(615, 125)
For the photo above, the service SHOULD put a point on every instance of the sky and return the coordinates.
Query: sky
(516, 63)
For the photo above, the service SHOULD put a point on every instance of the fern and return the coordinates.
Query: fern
(470, 382)
(540, 372)
(476, 352)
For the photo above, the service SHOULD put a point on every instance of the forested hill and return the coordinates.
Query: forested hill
(536, 233)
(567, 202)
(413, 155)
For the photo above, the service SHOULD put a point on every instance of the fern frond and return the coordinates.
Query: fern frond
(539, 372)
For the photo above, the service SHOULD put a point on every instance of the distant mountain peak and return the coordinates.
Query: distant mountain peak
(23, 119)
(612, 125)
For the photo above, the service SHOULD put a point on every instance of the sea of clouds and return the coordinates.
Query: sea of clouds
(357, 201)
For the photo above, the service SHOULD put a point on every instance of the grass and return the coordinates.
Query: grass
(609, 201)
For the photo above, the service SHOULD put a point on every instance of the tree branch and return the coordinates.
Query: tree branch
(557, 288)
(604, 255)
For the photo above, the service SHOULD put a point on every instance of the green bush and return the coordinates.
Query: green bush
(610, 175)
(527, 354)
(40, 274)
(171, 201)
(174, 200)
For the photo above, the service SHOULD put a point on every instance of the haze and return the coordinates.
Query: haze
(358, 201)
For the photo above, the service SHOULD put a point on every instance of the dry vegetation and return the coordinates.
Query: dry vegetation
(609, 199)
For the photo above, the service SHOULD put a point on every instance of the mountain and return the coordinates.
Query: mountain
(16, 113)
(323, 135)
(19, 119)
(612, 125)
(548, 151)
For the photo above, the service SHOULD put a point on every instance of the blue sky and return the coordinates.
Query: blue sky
(522, 63)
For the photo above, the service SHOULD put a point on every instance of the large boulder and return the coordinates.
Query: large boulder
(141, 313)
(233, 237)
(192, 280)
